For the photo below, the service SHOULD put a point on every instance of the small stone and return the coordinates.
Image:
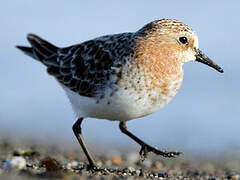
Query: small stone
(99, 163)
(25, 153)
(15, 162)
(69, 166)
(162, 175)
(99, 173)
(50, 164)
(138, 172)
(74, 163)
(235, 177)
(131, 169)
(117, 160)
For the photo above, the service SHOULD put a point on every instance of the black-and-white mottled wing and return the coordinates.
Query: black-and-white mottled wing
(84, 68)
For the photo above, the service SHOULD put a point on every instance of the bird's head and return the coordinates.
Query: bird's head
(172, 39)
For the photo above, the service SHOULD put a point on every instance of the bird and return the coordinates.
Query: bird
(124, 76)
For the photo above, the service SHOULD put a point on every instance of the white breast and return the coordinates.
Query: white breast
(125, 104)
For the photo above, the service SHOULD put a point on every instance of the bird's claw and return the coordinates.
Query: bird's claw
(96, 169)
(145, 149)
(170, 154)
(143, 153)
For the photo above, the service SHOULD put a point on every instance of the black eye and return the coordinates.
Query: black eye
(183, 40)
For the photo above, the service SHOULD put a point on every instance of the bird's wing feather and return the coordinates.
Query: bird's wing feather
(87, 67)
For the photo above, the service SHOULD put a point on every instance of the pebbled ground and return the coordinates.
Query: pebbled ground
(30, 160)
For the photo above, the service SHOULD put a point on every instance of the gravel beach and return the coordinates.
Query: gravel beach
(28, 160)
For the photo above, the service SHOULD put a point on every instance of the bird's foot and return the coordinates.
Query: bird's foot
(145, 149)
(94, 168)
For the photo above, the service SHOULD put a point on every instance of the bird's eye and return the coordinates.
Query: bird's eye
(183, 40)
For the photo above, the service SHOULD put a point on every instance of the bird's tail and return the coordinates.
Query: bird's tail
(41, 49)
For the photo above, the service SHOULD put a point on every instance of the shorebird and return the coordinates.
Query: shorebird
(123, 76)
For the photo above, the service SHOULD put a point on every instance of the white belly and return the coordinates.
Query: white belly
(123, 105)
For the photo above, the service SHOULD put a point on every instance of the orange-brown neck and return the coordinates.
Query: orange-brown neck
(160, 62)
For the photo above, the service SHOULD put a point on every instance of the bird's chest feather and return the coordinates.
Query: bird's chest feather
(146, 88)
(135, 97)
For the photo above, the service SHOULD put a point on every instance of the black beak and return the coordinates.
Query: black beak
(200, 57)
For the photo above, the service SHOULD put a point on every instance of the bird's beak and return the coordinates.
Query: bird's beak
(200, 57)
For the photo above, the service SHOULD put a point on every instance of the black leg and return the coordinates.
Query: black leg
(145, 148)
(78, 133)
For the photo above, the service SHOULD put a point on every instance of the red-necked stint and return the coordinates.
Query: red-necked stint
(122, 76)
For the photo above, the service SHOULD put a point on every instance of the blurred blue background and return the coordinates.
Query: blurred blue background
(203, 117)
